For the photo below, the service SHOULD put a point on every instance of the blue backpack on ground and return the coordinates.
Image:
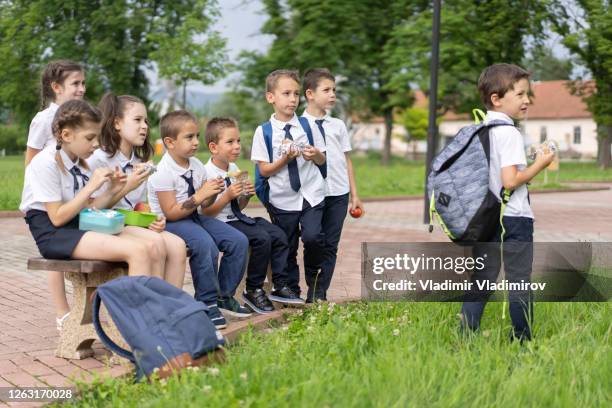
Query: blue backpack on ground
(262, 187)
(458, 187)
(164, 326)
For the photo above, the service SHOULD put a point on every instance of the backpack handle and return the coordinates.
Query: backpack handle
(114, 347)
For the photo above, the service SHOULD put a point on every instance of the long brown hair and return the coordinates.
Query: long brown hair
(55, 71)
(70, 115)
(113, 107)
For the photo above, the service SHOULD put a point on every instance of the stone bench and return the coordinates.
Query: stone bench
(78, 334)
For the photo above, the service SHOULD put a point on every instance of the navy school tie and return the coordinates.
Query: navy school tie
(127, 165)
(76, 172)
(319, 123)
(294, 175)
(191, 191)
(236, 208)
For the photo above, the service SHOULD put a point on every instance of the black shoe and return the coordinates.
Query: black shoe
(257, 301)
(215, 316)
(286, 296)
(233, 308)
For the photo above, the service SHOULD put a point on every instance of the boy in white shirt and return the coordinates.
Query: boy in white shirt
(290, 157)
(177, 190)
(319, 87)
(267, 241)
(504, 90)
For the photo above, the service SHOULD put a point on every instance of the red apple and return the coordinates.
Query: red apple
(356, 213)
(142, 207)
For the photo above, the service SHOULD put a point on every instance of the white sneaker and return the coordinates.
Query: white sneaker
(59, 321)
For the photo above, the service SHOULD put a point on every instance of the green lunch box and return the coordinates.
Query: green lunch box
(138, 218)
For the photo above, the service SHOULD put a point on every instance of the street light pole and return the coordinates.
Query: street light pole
(432, 131)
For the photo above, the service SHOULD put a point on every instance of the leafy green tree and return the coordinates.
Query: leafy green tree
(346, 36)
(473, 35)
(116, 40)
(587, 33)
(415, 120)
(180, 56)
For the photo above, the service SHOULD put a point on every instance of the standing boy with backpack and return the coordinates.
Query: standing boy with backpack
(504, 90)
(289, 176)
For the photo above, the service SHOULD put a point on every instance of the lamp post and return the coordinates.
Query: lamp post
(432, 131)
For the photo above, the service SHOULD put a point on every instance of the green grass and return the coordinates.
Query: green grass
(401, 177)
(396, 355)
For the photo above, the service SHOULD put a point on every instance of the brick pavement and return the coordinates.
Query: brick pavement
(27, 327)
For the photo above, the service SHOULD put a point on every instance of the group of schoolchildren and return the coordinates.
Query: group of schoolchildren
(79, 156)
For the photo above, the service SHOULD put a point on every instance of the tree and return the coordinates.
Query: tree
(182, 51)
(545, 66)
(473, 35)
(587, 33)
(306, 36)
(116, 40)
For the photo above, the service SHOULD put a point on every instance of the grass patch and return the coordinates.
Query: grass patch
(401, 177)
(396, 355)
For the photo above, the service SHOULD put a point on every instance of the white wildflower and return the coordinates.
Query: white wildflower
(213, 371)
(396, 332)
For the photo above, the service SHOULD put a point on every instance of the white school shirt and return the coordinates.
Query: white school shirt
(40, 134)
(282, 195)
(337, 142)
(101, 159)
(168, 178)
(45, 183)
(213, 171)
(507, 149)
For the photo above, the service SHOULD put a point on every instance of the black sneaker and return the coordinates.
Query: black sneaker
(286, 296)
(231, 307)
(257, 300)
(215, 316)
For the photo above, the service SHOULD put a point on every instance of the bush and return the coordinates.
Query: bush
(12, 139)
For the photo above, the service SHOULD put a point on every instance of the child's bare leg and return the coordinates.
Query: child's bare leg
(156, 247)
(175, 260)
(57, 288)
(94, 245)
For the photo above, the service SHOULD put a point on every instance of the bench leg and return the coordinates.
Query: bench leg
(78, 333)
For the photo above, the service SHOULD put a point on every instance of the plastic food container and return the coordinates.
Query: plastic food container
(138, 218)
(104, 221)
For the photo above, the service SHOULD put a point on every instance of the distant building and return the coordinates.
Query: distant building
(555, 114)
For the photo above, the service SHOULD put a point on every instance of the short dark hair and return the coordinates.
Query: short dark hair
(499, 79)
(274, 76)
(313, 76)
(171, 123)
(215, 126)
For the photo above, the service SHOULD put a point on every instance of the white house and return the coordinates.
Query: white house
(555, 114)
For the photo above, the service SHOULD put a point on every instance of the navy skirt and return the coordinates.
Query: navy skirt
(53, 242)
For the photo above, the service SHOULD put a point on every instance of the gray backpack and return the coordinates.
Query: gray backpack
(458, 186)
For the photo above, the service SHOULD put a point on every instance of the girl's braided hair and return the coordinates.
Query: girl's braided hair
(70, 115)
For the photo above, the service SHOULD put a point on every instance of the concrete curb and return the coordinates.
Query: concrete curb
(19, 214)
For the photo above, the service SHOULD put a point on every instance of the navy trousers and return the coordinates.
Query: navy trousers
(307, 224)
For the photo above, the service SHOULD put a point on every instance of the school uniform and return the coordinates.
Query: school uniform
(40, 134)
(205, 236)
(297, 194)
(102, 159)
(44, 183)
(268, 242)
(506, 149)
(333, 131)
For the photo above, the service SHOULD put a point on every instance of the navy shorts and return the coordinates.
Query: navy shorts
(53, 242)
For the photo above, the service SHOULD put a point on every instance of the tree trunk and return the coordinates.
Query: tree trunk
(184, 105)
(386, 153)
(604, 143)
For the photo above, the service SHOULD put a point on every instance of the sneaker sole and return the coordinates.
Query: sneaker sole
(220, 326)
(234, 314)
(255, 308)
(285, 300)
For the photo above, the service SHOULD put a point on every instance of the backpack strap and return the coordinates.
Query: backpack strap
(103, 336)
(267, 135)
(308, 130)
